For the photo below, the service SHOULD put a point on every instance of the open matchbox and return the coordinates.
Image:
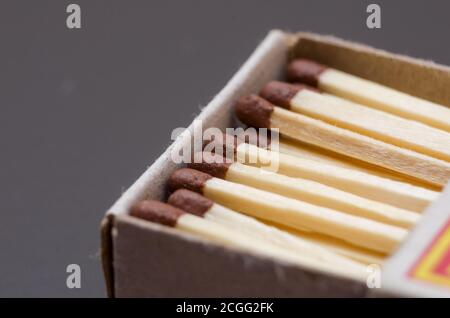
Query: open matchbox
(143, 259)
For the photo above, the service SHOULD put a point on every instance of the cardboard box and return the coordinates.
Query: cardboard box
(142, 259)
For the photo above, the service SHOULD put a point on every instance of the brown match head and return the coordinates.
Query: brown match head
(281, 93)
(224, 145)
(190, 179)
(190, 202)
(305, 71)
(212, 164)
(254, 111)
(157, 212)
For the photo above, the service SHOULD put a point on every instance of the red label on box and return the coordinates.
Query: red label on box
(434, 264)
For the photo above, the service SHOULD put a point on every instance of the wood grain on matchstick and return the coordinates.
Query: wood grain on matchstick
(361, 119)
(273, 207)
(307, 191)
(402, 195)
(199, 205)
(365, 256)
(343, 141)
(303, 150)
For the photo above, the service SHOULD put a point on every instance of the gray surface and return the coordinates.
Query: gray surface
(83, 112)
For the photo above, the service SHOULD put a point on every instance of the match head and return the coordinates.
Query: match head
(224, 146)
(190, 202)
(212, 164)
(190, 179)
(305, 71)
(254, 111)
(280, 93)
(157, 212)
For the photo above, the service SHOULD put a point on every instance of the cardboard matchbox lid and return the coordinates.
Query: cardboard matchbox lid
(142, 259)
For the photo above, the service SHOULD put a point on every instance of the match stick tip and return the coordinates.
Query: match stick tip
(157, 212)
(254, 111)
(280, 93)
(190, 202)
(212, 164)
(190, 179)
(305, 71)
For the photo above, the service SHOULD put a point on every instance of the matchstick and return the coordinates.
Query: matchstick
(398, 194)
(369, 93)
(256, 111)
(337, 246)
(301, 215)
(197, 204)
(363, 120)
(305, 190)
(300, 149)
(168, 215)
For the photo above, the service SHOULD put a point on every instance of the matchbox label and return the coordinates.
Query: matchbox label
(434, 264)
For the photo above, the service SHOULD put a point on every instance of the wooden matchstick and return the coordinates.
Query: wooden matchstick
(197, 204)
(369, 93)
(256, 111)
(398, 194)
(303, 150)
(361, 119)
(301, 215)
(337, 246)
(168, 215)
(305, 190)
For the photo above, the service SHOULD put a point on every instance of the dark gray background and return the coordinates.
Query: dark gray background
(84, 112)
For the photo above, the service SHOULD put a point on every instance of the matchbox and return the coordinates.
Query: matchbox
(143, 259)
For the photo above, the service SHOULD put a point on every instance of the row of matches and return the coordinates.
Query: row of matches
(356, 164)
